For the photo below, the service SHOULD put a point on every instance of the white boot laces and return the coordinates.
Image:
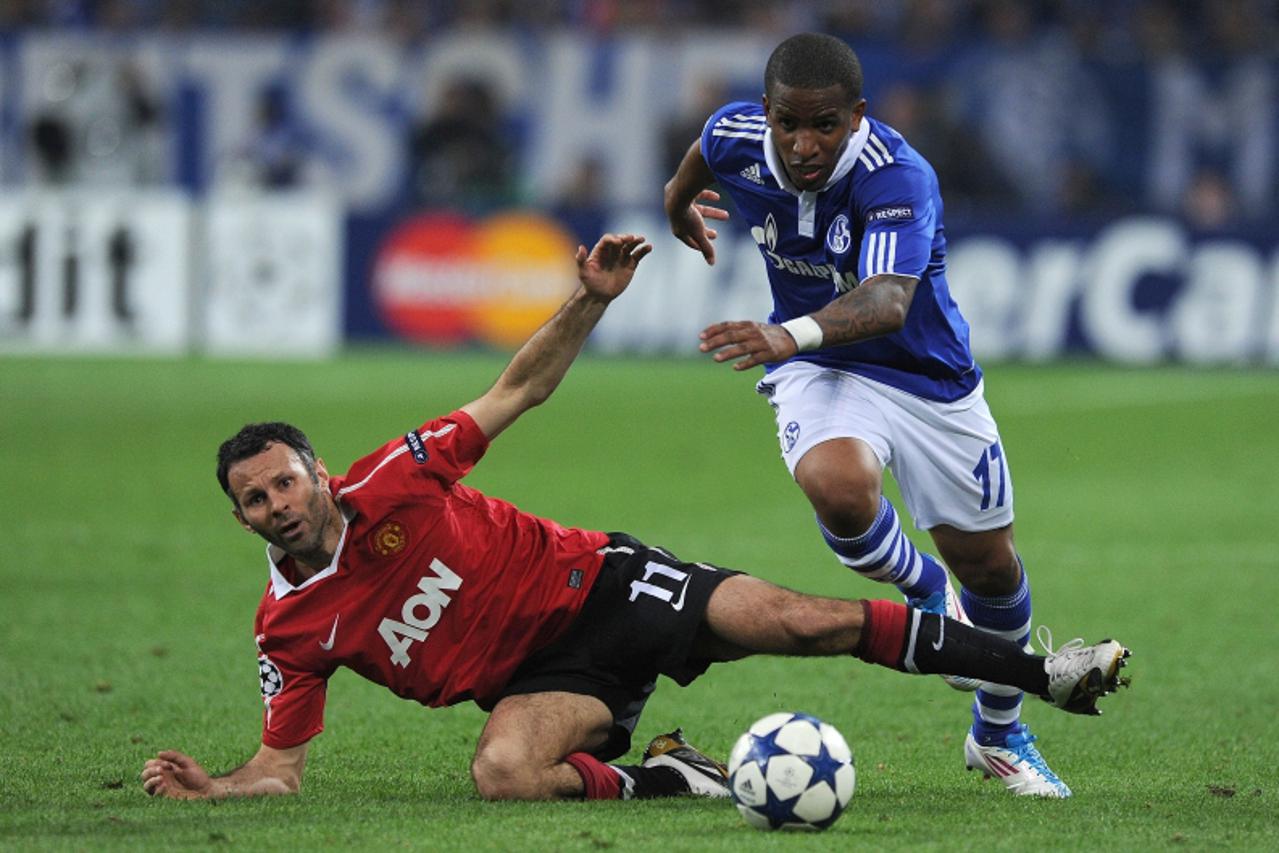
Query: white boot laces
(1045, 637)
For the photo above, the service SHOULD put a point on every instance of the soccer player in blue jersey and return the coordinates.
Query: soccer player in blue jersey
(867, 357)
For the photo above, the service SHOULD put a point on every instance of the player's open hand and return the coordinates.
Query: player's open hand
(175, 775)
(753, 343)
(607, 269)
(689, 224)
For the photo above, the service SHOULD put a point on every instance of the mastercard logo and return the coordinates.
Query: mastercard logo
(443, 279)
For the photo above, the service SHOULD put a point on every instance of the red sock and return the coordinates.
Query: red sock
(883, 633)
(600, 781)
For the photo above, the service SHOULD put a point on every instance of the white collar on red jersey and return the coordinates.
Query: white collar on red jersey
(807, 212)
(280, 585)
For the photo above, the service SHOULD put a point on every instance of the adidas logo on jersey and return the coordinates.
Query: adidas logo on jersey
(751, 173)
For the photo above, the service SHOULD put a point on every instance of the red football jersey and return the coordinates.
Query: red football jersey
(436, 591)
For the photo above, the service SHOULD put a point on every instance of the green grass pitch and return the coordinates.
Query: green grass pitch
(1148, 508)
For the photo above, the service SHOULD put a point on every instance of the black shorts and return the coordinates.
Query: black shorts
(639, 621)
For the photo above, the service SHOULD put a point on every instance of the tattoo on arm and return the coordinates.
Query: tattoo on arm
(876, 307)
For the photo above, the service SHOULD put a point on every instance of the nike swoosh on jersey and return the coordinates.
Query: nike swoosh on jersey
(678, 604)
(327, 645)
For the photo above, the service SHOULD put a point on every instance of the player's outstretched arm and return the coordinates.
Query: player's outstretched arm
(180, 777)
(538, 367)
(685, 200)
(877, 307)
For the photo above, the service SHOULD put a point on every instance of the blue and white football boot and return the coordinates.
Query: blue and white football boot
(1078, 675)
(1017, 763)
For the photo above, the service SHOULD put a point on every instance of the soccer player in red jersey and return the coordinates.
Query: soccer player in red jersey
(401, 573)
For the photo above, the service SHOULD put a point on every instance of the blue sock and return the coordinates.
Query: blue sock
(996, 708)
(884, 553)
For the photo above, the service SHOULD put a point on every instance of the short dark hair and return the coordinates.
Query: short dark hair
(252, 439)
(814, 61)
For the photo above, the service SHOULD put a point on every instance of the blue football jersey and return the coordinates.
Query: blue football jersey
(880, 212)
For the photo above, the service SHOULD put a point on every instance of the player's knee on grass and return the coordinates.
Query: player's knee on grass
(503, 771)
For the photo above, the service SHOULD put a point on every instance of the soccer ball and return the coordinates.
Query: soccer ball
(791, 771)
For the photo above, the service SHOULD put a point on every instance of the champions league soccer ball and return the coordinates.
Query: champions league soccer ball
(791, 771)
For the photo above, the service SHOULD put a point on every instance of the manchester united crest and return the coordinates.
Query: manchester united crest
(390, 538)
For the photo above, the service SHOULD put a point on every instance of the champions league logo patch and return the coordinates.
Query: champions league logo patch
(272, 681)
(839, 236)
(790, 435)
(414, 442)
(896, 213)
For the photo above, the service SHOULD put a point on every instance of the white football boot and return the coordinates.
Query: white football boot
(1079, 675)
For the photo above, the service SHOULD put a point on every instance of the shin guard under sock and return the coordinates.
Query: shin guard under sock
(909, 640)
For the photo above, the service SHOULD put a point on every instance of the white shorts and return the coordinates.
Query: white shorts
(946, 457)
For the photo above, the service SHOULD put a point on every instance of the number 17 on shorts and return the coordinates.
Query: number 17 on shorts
(992, 473)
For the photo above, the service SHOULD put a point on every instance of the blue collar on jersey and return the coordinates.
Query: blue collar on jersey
(808, 199)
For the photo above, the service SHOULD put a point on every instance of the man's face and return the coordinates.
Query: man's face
(810, 129)
(279, 500)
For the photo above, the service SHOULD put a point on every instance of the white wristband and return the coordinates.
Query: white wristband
(805, 331)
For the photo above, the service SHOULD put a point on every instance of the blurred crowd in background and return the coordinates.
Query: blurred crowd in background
(1105, 30)
(1015, 103)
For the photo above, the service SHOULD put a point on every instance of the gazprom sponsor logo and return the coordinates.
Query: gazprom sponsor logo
(844, 281)
(770, 233)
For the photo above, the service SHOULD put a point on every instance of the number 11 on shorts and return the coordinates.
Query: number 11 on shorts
(985, 470)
